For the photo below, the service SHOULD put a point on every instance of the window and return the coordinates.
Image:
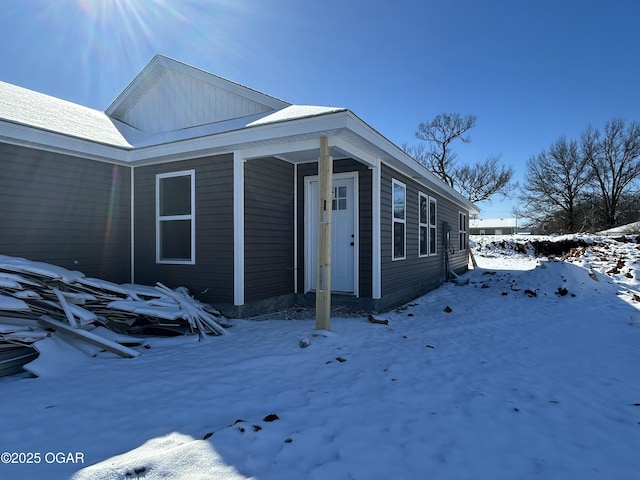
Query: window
(433, 230)
(462, 223)
(423, 225)
(427, 234)
(399, 219)
(339, 201)
(175, 219)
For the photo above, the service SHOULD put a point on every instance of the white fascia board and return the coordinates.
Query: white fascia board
(276, 149)
(314, 127)
(404, 163)
(22, 135)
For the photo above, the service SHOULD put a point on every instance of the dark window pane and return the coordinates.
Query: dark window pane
(175, 240)
(398, 239)
(175, 195)
(423, 240)
(423, 209)
(432, 240)
(432, 213)
(398, 201)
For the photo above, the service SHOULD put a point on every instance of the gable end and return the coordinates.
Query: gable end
(169, 96)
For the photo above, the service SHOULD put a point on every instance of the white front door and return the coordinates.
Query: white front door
(344, 235)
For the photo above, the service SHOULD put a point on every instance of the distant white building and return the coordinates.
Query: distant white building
(629, 229)
(493, 226)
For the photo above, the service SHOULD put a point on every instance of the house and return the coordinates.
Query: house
(493, 226)
(628, 229)
(191, 179)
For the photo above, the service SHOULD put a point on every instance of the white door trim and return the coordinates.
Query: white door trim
(309, 282)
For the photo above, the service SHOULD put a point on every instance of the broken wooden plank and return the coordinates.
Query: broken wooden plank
(89, 337)
(193, 311)
(12, 304)
(66, 308)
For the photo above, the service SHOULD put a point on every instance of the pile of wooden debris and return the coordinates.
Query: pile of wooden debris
(39, 299)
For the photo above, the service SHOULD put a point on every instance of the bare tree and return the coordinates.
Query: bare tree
(482, 180)
(614, 157)
(554, 182)
(477, 181)
(439, 133)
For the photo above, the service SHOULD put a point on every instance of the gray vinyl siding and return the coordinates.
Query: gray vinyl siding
(211, 278)
(65, 210)
(364, 220)
(404, 279)
(268, 228)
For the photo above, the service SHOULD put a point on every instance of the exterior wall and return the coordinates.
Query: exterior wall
(211, 278)
(364, 221)
(404, 280)
(65, 210)
(268, 229)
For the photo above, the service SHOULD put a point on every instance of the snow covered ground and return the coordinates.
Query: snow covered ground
(533, 373)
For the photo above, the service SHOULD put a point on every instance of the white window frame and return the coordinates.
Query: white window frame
(424, 224)
(463, 223)
(433, 226)
(168, 218)
(402, 221)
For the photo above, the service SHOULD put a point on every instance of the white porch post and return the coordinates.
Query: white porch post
(323, 280)
(238, 229)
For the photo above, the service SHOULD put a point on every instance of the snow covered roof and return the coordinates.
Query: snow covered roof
(168, 101)
(293, 112)
(622, 229)
(493, 223)
(26, 107)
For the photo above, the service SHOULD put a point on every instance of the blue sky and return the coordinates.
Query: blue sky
(530, 71)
